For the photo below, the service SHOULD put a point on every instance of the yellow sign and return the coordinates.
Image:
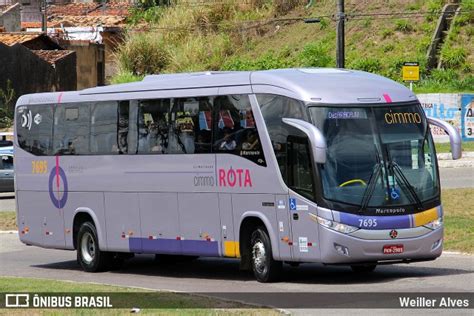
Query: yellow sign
(411, 71)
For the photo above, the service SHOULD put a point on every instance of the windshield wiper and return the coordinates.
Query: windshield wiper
(397, 171)
(400, 176)
(370, 187)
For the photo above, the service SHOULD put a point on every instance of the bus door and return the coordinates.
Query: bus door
(304, 237)
(284, 230)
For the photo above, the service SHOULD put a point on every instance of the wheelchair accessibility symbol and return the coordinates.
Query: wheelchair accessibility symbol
(292, 204)
(394, 194)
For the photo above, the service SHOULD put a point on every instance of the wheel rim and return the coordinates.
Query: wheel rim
(259, 257)
(88, 247)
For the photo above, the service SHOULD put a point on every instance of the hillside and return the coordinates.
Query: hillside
(258, 34)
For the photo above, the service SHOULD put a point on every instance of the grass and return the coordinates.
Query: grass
(458, 219)
(8, 220)
(446, 147)
(187, 303)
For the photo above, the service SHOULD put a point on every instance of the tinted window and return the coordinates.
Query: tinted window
(236, 131)
(104, 135)
(175, 126)
(123, 126)
(34, 127)
(72, 129)
(300, 175)
(274, 108)
(153, 126)
(194, 123)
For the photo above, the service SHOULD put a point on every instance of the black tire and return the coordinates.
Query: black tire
(365, 268)
(89, 256)
(264, 267)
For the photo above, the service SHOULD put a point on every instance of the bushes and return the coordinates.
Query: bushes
(150, 15)
(312, 55)
(124, 77)
(269, 60)
(143, 53)
(447, 81)
(315, 55)
(403, 25)
(215, 37)
(201, 53)
(367, 64)
(453, 57)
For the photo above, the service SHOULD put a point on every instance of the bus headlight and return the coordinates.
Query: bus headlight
(437, 223)
(339, 227)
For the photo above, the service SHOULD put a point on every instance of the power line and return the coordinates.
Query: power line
(243, 25)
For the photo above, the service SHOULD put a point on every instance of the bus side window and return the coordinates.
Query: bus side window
(182, 131)
(103, 136)
(236, 132)
(192, 125)
(72, 129)
(153, 126)
(175, 126)
(122, 126)
(34, 128)
(300, 175)
(274, 108)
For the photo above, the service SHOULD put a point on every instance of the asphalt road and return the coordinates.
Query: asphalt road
(7, 202)
(456, 177)
(449, 273)
(450, 178)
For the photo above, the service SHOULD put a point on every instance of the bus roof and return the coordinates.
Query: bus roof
(315, 85)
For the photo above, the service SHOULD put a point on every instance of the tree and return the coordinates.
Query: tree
(7, 101)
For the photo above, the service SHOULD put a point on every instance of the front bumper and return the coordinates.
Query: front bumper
(426, 247)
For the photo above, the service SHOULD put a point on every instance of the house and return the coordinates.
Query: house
(33, 62)
(93, 30)
(10, 17)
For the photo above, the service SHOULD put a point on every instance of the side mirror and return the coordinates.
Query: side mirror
(454, 136)
(316, 138)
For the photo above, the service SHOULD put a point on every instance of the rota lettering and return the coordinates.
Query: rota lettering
(235, 178)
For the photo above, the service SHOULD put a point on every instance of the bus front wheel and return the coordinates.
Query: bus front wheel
(89, 256)
(264, 267)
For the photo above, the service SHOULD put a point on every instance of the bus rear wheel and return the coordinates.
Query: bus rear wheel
(265, 268)
(365, 268)
(89, 256)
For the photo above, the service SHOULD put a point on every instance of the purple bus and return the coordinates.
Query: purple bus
(281, 166)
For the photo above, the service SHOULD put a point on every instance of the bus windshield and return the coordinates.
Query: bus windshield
(377, 156)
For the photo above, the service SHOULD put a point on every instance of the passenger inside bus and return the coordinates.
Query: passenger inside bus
(251, 141)
(228, 143)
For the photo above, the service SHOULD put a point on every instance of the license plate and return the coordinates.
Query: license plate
(392, 249)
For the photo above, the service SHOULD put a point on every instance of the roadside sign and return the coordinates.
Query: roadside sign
(411, 71)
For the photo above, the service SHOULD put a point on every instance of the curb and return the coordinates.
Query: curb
(447, 156)
(446, 161)
(8, 232)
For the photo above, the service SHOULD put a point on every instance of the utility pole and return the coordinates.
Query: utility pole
(340, 18)
(44, 19)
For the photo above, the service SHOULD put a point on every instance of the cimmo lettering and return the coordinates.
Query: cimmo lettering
(203, 181)
(402, 118)
(235, 178)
